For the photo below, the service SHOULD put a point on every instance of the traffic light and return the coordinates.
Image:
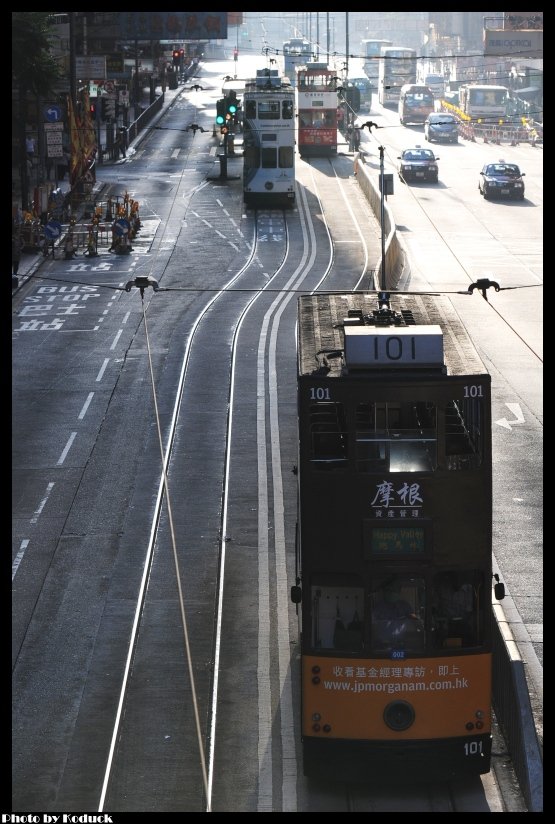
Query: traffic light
(231, 105)
(175, 56)
(92, 107)
(103, 108)
(220, 112)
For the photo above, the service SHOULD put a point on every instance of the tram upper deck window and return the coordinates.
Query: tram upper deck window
(396, 437)
(268, 109)
(337, 617)
(463, 434)
(328, 436)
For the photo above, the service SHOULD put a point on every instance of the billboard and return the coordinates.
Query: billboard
(172, 25)
(521, 43)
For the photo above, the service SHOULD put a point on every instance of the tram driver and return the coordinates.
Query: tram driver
(394, 621)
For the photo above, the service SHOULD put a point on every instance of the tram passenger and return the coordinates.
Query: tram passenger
(453, 611)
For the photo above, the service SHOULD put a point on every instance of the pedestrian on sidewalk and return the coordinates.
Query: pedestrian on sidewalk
(122, 132)
(16, 252)
(119, 144)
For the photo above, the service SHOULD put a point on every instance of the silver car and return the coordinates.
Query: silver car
(442, 127)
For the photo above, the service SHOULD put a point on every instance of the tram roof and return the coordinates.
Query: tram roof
(321, 324)
(234, 84)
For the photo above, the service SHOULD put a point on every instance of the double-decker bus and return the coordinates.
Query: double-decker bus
(397, 68)
(484, 102)
(317, 103)
(269, 141)
(394, 539)
(296, 52)
(371, 50)
(415, 104)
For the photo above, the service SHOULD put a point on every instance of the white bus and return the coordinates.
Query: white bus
(371, 50)
(397, 68)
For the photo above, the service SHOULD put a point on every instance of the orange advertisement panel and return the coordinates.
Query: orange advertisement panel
(348, 696)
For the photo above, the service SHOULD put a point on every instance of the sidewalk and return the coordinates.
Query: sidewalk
(30, 261)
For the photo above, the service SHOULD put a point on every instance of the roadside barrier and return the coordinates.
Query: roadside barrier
(113, 234)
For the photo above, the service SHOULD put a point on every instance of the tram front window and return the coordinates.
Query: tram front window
(458, 609)
(337, 617)
(397, 606)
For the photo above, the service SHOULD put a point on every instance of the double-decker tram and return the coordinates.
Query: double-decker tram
(296, 52)
(394, 539)
(317, 104)
(269, 141)
(397, 68)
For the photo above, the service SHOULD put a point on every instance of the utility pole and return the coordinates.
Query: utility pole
(346, 45)
(382, 214)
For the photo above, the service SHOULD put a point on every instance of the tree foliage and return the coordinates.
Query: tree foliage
(34, 69)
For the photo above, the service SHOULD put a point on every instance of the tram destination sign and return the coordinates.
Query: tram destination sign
(394, 541)
(367, 347)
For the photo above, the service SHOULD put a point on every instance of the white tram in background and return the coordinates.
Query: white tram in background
(269, 141)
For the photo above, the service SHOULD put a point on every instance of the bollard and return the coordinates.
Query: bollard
(69, 248)
(92, 241)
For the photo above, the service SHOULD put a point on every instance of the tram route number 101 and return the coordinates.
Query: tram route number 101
(322, 393)
(473, 748)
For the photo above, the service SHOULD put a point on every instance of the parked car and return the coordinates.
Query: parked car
(442, 127)
(418, 164)
(501, 180)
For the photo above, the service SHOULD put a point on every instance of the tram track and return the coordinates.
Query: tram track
(228, 423)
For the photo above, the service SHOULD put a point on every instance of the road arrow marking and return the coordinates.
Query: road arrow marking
(519, 417)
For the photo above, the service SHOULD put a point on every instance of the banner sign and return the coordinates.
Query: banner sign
(172, 25)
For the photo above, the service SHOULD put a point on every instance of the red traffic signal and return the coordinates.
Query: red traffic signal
(175, 55)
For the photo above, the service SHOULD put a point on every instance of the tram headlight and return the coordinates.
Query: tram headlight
(399, 715)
